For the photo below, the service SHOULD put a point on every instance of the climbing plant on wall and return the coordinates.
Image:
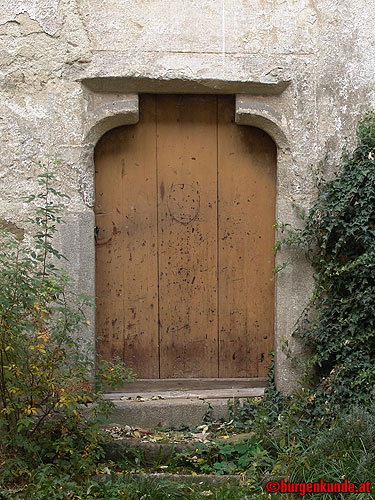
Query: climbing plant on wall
(338, 326)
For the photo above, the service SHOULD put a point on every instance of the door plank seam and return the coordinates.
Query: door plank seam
(157, 226)
(217, 239)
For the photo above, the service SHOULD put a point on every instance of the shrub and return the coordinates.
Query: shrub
(50, 395)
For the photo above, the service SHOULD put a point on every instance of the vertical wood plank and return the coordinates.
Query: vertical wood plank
(127, 305)
(187, 171)
(247, 194)
(109, 248)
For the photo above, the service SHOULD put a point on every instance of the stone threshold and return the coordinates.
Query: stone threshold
(139, 396)
(183, 386)
(150, 404)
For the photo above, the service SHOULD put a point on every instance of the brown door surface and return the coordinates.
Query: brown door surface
(185, 207)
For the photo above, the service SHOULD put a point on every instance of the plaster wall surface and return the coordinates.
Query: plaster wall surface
(72, 69)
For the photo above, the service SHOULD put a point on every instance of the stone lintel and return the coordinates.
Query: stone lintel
(131, 84)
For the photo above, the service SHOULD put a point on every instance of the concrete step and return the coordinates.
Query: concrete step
(174, 407)
(208, 479)
(159, 448)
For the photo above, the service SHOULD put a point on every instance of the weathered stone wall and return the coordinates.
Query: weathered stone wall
(71, 69)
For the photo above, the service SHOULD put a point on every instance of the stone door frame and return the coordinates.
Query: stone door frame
(105, 111)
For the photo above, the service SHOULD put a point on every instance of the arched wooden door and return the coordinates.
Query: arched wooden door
(185, 207)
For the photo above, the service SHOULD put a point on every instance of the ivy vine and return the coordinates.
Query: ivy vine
(338, 237)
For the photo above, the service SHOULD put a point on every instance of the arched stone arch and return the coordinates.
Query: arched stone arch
(103, 113)
(250, 112)
(111, 115)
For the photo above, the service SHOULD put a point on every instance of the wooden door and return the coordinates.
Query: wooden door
(185, 204)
